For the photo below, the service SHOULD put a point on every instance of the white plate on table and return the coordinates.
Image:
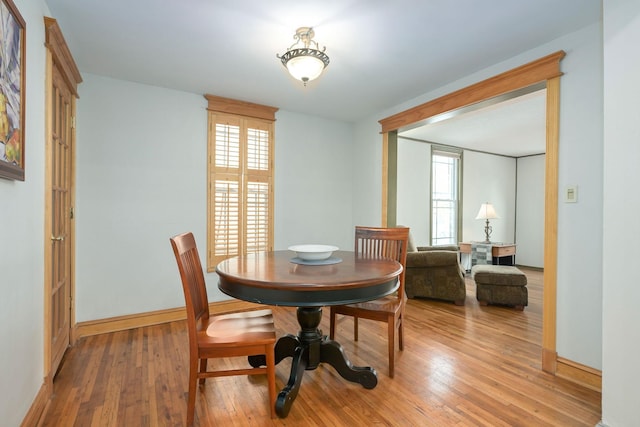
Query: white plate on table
(328, 261)
(313, 252)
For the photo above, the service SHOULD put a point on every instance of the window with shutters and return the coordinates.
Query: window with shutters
(240, 184)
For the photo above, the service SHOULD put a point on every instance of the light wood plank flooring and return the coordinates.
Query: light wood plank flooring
(462, 366)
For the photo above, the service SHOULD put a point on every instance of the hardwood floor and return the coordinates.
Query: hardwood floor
(461, 366)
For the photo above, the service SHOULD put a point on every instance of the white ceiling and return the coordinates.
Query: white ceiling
(382, 52)
(514, 127)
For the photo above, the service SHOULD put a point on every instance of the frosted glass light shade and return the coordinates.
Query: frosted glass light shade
(305, 68)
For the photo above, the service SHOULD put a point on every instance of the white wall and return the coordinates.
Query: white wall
(621, 292)
(530, 211)
(579, 326)
(22, 243)
(367, 173)
(414, 189)
(488, 178)
(314, 182)
(485, 177)
(142, 179)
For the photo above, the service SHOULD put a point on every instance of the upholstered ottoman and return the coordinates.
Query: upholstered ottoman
(500, 284)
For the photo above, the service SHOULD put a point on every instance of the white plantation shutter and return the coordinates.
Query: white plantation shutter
(257, 217)
(258, 149)
(227, 146)
(258, 188)
(240, 214)
(226, 218)
(226, 209)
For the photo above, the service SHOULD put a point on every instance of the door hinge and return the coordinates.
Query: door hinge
(71, 212)
(73, 122)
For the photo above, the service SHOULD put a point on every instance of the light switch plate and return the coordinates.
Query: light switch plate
(571, 194)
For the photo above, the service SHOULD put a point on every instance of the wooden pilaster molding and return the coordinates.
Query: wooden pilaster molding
(550, 294)
(534, 72)
(549, 360)
(241, 108)
(54, 41)
(385, 180)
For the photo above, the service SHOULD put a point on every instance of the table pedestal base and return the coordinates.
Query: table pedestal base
(308, 349)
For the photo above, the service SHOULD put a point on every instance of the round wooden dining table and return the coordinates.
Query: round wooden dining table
(275, 278)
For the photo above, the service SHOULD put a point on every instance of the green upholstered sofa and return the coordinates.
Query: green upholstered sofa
(435, 272)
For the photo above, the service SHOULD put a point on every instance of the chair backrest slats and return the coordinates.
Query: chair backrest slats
(386, 243)
(193, 283)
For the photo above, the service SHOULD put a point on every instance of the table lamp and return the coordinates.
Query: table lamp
(487, 212)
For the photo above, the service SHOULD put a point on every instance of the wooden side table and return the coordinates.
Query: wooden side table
(501, 253)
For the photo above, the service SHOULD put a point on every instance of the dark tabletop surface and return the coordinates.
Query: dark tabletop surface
(272, 278)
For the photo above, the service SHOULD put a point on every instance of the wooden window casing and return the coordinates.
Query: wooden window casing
(240, 187)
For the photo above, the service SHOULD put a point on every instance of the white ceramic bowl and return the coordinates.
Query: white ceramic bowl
(313, 252)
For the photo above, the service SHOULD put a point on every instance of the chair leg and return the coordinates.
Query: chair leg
(355, 328)
(332, 324)
(191, 397)
(271, 378)
(400, 326)
(203, 369)
(391, 330)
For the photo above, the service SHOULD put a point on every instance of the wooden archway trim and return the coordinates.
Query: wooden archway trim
(526, 75)
(547, 70)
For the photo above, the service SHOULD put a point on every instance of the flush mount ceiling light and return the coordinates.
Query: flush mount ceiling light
(303, 59)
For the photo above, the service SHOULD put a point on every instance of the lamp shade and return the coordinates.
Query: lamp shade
(487, 211)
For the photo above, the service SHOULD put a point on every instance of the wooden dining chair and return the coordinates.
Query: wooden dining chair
(228, 335)
(388, 243)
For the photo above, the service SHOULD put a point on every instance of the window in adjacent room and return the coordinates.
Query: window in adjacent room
(240, 179)
(445, 196)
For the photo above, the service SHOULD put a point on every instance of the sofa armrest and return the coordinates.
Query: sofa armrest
(435, 274)
(432, 258)
(438, 248)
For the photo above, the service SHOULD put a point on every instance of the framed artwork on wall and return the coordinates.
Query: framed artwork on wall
(12, 91)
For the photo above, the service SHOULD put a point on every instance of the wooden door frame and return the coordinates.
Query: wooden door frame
(544, 70)
(58, 55)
